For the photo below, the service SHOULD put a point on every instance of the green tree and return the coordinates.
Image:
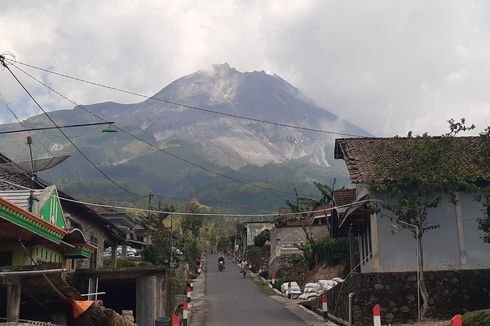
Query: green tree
(193, 223)
(424, 168)
(159, 252)
(262, 238)
(303, 205)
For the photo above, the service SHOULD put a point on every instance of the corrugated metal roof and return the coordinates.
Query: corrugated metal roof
(21, 197)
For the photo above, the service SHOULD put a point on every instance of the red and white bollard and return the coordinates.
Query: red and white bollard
(273, 281)
(175, 320)
(377, 315)
(188, 294)
(324, 306)
(185, 313)
(456, 321)
(191, 284)
(289, 290)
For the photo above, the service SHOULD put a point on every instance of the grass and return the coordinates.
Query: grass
(264, 286)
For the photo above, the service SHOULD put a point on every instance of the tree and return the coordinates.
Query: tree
(306, 204)
(262, 238)
(159, 252)
(193, 223)
(423, 169)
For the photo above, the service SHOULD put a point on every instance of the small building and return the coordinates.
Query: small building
(35, 244)
(285, 238)
(253, 229)
(135, 234)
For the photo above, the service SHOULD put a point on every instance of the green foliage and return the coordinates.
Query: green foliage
(422, 168)
(262, 238)
(295, 273)
(477, 318)
(193, 223)
(159, 252)
(326, 250)
(178, 285)
(264, 286)
(225, 243)
(124, 263)
(425, 167)
(257, 256)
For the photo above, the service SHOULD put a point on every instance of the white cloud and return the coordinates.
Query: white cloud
(387, 66)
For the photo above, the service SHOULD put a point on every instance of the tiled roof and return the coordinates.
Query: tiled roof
(367, 159)
(343, 197)
(284, 210)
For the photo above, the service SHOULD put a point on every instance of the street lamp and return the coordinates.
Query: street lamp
(396, 227)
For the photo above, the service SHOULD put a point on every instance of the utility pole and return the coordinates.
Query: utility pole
(150, 196)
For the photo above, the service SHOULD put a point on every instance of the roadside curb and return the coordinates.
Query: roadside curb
(198, 304)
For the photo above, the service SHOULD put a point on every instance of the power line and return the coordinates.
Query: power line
(192, 107)
(61, 131)
(22, 123)
(144, 210)
(154, 146)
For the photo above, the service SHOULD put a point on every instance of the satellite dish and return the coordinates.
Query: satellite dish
(34, 165)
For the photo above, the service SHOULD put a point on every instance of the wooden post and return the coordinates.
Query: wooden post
(14, 291)
(114, 255)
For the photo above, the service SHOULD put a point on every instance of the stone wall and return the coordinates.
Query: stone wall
(93, 233)
(290, 236)
(450, 292)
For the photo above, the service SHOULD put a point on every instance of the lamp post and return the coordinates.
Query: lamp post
(418, 262)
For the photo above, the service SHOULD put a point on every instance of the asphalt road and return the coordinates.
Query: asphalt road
(233, 300)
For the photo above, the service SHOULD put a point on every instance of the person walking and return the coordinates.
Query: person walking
(243, 267)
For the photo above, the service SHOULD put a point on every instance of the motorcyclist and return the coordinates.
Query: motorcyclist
(221, 259)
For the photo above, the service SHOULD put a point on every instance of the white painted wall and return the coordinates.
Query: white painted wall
(443, 248)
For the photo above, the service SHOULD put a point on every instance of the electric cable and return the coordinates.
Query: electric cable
(154, 146)
(63, 133)
(145, 210)
(187, 106)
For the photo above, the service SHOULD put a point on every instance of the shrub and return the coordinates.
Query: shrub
(326, 250)
(477, 318)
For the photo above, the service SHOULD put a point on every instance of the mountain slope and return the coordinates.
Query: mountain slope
(247, 150)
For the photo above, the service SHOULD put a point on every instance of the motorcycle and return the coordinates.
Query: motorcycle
(221, 265)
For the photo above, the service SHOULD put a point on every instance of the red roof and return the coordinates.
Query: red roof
(367, 159)
(344, 196)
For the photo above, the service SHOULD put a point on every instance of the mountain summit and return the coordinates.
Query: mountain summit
(229, 141)
(249, 150)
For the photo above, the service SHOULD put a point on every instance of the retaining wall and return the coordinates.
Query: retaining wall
(450, 292)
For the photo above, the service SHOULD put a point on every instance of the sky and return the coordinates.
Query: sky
(386, 66)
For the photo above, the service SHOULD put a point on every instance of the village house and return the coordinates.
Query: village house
(455, 244)
(253, 229)
(285, 237)
(42, 228)
(456, 259)
(36, 250)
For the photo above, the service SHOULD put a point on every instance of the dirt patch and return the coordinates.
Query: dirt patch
(101, 316)
(325, 273)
